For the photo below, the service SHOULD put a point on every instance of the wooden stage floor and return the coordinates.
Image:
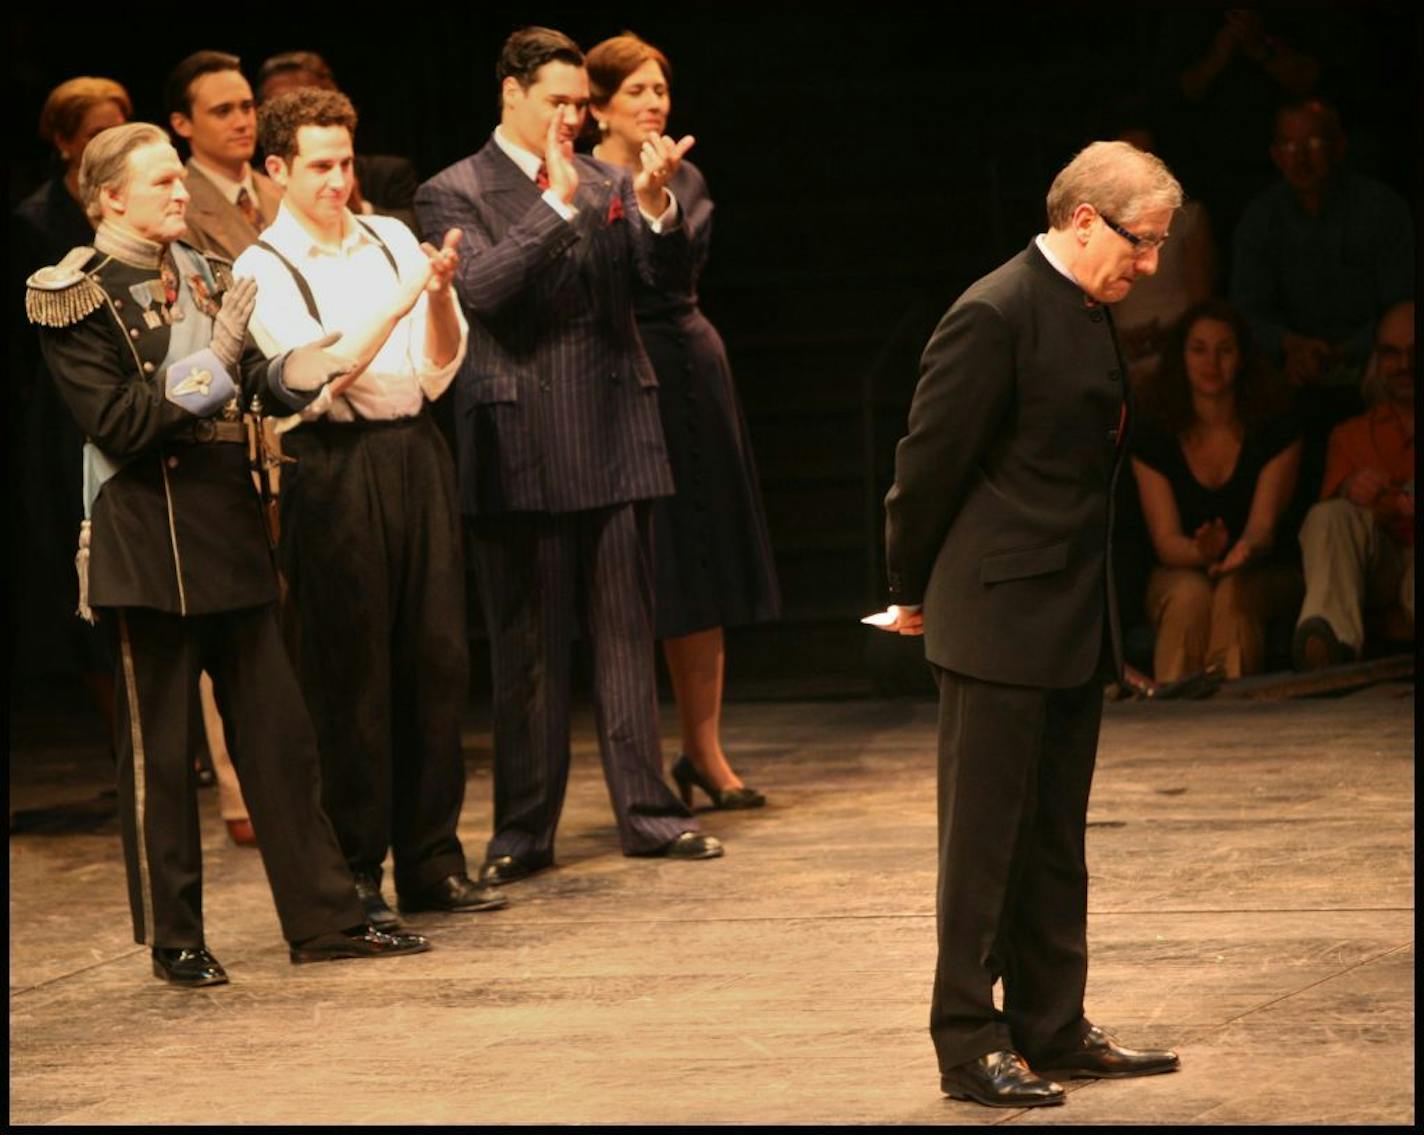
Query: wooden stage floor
(1252, 906)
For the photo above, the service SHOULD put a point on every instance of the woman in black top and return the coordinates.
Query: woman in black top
(714, 566)
(1216, 460)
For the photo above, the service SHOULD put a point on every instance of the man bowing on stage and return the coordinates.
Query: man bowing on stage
(999, 522)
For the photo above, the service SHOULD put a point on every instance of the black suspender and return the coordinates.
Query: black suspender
(301, 281)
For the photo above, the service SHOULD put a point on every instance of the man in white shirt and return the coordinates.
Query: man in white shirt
(370, 530)
(211, 107)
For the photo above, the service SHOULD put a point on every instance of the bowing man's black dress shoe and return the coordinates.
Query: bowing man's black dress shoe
(689, 845)
(373, 904)
(189, 966)
(457, 893)
(511, 868)
(1098, 1056)
(358, 942)
(1000, 1079)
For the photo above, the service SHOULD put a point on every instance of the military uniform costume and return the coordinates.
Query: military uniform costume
(179, 565)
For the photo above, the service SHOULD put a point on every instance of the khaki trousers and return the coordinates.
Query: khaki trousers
(1202, 622)
(1351, 565)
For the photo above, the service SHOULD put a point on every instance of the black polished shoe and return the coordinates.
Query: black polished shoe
(1000, 1079)
(689, 845)
(1099, 1057)
(454, 893)
(511, 868)
(373, 905)
(192, 967)
(358, 942)
(686, 775)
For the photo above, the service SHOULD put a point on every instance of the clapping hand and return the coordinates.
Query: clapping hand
(310, 367)
(661, 157)
(559, 163)
(230, 323)
(443, 262)
(1211, 539)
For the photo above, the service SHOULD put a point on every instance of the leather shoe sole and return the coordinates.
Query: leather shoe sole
(371, 944)
(1000, 1079)
(189, 969)
(455, 894)
(689, 845)
(510, 869)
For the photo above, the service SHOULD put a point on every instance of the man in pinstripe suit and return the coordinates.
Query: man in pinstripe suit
(561, 447)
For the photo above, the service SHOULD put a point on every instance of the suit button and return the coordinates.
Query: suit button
(148, 368)
(173, 463)
(118, 304)
(543, 384)
(1096, 315)
(133, 332)
(1112, 437)
(1114, 375)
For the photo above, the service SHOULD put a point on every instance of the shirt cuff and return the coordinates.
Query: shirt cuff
(551, 199)
(667, 219)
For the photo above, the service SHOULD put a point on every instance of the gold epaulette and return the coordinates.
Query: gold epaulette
(62, 294)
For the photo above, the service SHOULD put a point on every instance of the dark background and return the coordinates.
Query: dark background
(868, 163)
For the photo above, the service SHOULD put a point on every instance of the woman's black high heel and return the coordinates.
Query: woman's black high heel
(686, 775)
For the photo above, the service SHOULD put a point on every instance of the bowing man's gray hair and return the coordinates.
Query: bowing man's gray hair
(1115, 178)
(105, 164)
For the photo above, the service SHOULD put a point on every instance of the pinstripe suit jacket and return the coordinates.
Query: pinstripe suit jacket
(556, 402)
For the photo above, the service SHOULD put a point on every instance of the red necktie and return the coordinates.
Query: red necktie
(541, 179)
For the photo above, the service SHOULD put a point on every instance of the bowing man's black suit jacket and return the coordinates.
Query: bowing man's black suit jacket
(1000, 517)
(556, 403)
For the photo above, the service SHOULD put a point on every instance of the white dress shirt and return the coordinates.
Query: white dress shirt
(353, 285)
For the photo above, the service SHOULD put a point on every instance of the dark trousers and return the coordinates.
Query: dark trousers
(539, 576)
(1015, 768)
(371, 549)
(159, 658)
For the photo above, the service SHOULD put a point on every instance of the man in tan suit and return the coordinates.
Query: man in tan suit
(211, 107)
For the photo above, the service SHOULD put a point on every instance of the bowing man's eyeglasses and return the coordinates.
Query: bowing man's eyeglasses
(1141, 245)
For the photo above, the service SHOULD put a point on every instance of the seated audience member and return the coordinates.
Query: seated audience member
(1185, 276)
(1215, 462)
(384, 183)
(1321, 254)
(1358, 542)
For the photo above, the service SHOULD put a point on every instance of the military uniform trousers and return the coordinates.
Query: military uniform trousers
(371, 550)
(540, 576)
(1015, 768)
(158, 659)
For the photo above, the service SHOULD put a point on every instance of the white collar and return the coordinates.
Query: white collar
(292, 238)
(1042, 241)
(528, 163)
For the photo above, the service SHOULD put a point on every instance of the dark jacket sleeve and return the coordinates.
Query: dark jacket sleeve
(492, 271)
(964, 393)
(665, 258)
(121, 413)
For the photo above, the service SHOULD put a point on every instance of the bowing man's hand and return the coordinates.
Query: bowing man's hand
(898, 620)
(661, 157)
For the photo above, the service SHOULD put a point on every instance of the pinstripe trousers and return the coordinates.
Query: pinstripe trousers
(273, 747)
(540, 576)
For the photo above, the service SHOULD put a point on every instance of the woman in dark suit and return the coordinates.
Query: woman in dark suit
(714, 565)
